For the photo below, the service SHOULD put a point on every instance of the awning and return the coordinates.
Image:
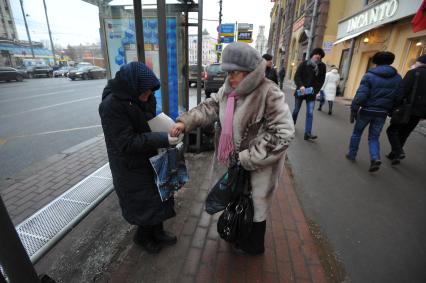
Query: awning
(349, 37)
(23, 50)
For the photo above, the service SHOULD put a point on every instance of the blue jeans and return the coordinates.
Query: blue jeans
(310, 105)
(376, 126)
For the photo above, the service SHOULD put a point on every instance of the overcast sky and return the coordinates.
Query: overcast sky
(74, 21)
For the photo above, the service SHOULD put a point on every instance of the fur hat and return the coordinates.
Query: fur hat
(239, 56)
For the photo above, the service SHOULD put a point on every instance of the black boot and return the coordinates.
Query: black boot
(254, 244)
(144, 238)
(162, 236)
(330, 107)
(309, 136)
(374, 165)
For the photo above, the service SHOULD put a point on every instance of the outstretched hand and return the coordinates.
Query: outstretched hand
(177, 129)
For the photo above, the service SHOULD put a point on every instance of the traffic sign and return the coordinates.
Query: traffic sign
(245, 26)
(227, 28)
(226, 39)
(218, 47)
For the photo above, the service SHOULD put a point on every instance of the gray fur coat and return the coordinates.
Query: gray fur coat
(262, 129)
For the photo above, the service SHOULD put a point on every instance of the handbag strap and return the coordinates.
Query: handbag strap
(414, 89)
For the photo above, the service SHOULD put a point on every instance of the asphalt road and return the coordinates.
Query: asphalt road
(42, 117)
(375, 222)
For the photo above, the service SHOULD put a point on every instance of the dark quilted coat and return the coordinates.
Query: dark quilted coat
(130, 143)
(377, 93)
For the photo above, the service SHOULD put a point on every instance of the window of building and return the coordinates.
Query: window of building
(417, 47)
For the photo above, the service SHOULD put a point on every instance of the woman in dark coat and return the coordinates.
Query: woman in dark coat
(127, 105)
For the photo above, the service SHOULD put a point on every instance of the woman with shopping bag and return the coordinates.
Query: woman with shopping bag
(256, 129)
(128, 102)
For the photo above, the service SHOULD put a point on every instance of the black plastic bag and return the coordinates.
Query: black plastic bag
(222, 192)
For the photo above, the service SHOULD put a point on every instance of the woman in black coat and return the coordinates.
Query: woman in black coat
(127, 105)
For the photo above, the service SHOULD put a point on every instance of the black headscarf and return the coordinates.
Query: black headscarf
(138, 78)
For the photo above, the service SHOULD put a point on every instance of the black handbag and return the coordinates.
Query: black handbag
(401, 115)
(236, 221)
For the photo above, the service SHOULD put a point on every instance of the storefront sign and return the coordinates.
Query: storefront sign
(381, 13)
(327, 46)
(298, 24)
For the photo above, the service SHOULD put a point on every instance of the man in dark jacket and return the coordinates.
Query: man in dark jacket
(127, 105)
(270, 72)
(398, 133)
(281, 75)
(374, 100)
(309, 74)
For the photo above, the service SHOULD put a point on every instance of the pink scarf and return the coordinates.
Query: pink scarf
(226, 143)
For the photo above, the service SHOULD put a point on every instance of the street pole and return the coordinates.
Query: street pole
(199, 69)
(50, 33)
(26, 27)
(14, 259)
(218, 36)
(311, 31)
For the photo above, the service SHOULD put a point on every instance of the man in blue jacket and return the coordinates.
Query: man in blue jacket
(374, 100)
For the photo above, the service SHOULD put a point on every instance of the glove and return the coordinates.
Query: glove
(353, 116)
(175, 140)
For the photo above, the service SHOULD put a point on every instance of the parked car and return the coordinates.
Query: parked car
(85, 73)
(61, 72)
(39, 71)
(10, 74)
(83, 64)
(193, 74)
(214, 79)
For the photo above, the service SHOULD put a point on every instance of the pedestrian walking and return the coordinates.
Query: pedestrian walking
(332, 79)
(412, 93)
(281, 75)
(256, 131)
(309, 78)
(373, 102)
(270, 71)
(128, 102)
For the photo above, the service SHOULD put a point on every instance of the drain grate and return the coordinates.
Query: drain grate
(42, 230)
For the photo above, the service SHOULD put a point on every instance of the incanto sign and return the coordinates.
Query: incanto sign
(379, 13)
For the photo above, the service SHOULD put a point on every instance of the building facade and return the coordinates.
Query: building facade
(261, 44)
(290, 30)
(208, 45)
(7, 23)
(371, 26)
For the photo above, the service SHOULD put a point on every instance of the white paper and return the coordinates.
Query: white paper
(161, 123)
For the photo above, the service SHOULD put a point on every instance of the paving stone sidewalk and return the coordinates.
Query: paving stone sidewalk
(199, 256)
(41, 183)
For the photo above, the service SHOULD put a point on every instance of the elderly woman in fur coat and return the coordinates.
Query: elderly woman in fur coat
(256, 127)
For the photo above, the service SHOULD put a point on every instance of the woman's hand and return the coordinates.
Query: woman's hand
(177, 129)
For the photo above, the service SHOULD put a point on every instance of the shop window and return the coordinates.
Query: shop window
(344, 63)
(417, 47)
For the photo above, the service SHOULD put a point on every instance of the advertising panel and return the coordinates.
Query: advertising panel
(121, 45)
(245, 36)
